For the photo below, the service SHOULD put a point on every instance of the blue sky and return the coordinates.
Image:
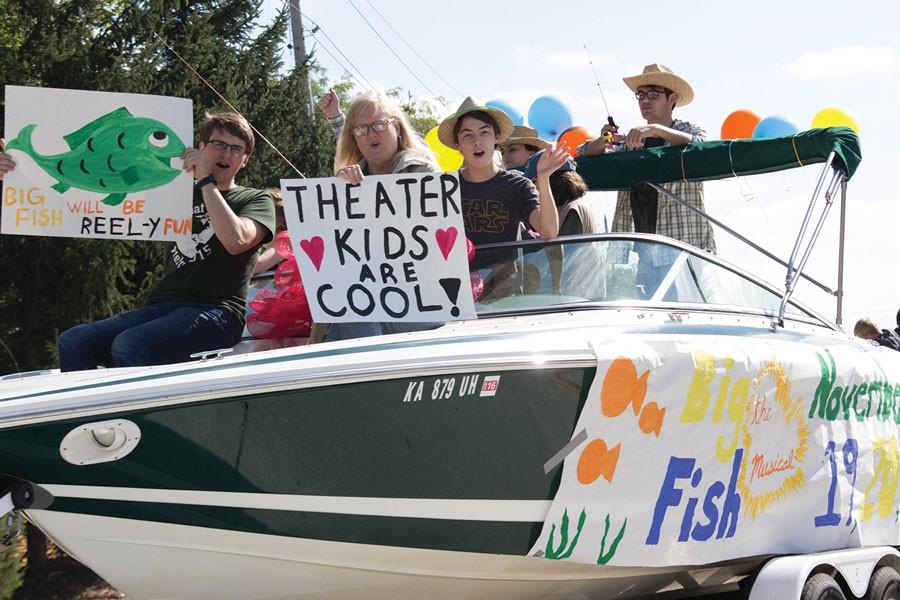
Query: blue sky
(776, 58)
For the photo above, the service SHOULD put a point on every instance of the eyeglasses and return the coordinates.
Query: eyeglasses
(651, 94)
(227, 148)
(377, 127)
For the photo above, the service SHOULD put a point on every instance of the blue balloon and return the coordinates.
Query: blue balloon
(549, 116)
(774, 126)
(512, 113)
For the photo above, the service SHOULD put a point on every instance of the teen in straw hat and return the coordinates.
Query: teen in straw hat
(496, 201)
(521, 145)
(658, 91)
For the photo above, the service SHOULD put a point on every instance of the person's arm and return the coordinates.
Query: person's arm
(237, 234)
(608, 136)
(544, 219)
(267, 261)
(330, 104)
(636, 137)
(7, 164)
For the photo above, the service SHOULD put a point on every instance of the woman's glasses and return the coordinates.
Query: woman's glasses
(377, 127)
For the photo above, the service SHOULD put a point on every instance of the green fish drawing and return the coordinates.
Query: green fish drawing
(115, 154)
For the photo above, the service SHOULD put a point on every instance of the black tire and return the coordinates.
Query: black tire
(884, 585)
(822, 586)
(22, 494)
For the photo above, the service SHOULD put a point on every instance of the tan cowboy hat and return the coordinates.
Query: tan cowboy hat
(445, 131)
(661, 75)
(525, 135)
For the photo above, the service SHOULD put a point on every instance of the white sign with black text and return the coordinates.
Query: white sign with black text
(389, 249)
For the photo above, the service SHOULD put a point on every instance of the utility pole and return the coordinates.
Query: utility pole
(299, 46)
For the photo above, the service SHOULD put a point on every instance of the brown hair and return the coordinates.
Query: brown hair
(866, 329)
(567, 186)
(482, 116)
(233, 123)
(278, 200)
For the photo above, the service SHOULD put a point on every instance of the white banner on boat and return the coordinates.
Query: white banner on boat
(698, 452)
(390, 249)
(96, 165)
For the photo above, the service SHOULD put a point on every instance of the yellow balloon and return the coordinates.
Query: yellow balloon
(833, 116)
(448, 158)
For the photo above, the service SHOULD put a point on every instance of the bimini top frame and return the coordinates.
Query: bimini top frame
(836, 147)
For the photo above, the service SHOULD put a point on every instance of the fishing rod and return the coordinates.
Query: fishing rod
(229, 104)
(609, 118)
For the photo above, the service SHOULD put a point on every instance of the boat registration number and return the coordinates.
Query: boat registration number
(458, 386)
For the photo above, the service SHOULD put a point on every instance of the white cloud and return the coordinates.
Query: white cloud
(577, 60)
(842, 63)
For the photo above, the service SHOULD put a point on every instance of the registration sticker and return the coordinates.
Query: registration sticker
(489, 385)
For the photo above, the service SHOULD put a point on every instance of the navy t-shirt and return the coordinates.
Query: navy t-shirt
(493, 209)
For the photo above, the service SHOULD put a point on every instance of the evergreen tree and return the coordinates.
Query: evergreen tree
(51, 284)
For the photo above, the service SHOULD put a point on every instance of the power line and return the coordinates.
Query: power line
(408, 45)
(397, 56)
(318, 27)
(335, 58)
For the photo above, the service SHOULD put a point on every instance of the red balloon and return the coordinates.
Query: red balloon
(574, 137)
(739, 124)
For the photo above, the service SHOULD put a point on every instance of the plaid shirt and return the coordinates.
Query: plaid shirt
(672, 218)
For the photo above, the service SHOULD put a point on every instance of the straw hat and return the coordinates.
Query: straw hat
(445, 131)
(525, 135)
(661, 75)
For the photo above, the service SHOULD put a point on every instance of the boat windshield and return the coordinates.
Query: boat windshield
(634, 270)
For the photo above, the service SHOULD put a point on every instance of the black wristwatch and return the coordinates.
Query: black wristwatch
(206, 181)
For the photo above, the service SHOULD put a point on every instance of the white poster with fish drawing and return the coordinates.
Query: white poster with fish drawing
(96, 165)
(390, 249)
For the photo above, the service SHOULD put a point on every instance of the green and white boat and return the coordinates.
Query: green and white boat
(436, 464)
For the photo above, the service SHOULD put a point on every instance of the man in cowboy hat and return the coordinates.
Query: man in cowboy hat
(496, 201)
(658, 91)
(521, 145)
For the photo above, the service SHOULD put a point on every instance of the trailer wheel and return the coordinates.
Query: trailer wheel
(822, 586)
(884, 585)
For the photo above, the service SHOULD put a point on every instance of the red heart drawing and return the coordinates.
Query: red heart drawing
(315, 250)
(445, 239)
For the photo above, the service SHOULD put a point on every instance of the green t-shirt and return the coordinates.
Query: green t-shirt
(201, 270)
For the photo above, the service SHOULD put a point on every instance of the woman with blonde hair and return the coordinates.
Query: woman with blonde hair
(377, 139)
(373, 138)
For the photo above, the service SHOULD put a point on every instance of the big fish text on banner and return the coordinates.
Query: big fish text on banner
(726, 447)
(96, 165)
(389, 249)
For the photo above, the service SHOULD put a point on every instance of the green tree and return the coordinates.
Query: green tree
(51, 284)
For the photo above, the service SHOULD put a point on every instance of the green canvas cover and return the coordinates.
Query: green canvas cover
(720, 159)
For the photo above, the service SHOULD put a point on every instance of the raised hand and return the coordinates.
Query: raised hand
(551, 159)
(330, 104)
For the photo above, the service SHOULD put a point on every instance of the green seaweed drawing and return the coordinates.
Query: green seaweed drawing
(562, 551)
(602, 559)
(115, 154)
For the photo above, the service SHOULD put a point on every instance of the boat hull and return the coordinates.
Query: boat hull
(202, 563)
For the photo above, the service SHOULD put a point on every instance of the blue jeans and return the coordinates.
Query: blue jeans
(154, 334)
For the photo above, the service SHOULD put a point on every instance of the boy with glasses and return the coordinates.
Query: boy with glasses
(199, 303)
(642, 209)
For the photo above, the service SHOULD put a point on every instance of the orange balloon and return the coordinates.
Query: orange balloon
(739, 124)
(574, 137)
